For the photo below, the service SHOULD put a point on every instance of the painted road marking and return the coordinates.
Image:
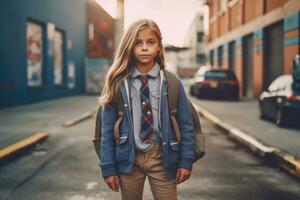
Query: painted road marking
(7, 151)
(78, 119)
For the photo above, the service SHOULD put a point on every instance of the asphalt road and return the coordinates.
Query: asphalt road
(65, 167)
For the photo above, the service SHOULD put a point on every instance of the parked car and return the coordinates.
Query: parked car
(281, 101)
(215, 83)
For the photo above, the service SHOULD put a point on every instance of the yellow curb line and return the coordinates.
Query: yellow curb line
(22, 144)
(82, 117)
(293, 165)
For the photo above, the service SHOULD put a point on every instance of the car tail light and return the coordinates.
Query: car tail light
(293, 97)
(232, 82)
(206, 82)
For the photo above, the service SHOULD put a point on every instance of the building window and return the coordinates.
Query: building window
(211, 57)
(58, 57)
(200, 37)
(34, 54)
(200, 59)
(220, 56)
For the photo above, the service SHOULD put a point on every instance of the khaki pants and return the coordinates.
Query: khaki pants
(148, 164)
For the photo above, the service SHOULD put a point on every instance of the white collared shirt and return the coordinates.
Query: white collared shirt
(154, 87)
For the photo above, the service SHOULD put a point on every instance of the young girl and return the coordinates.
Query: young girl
(147, 145)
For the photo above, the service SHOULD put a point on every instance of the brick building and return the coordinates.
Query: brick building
(258, 39)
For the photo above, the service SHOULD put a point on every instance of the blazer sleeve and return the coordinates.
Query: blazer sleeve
(108, 163)
(185, 123)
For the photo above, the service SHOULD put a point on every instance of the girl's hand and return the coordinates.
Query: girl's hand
(182, 175)
(113, 182)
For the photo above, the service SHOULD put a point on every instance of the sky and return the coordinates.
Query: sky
(172, 16)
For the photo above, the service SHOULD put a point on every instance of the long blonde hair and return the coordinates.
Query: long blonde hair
(124, 59)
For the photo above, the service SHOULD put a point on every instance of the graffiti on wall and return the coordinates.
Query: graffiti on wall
(58, 58)
(71, 75)
(34, 54)
(95, 70)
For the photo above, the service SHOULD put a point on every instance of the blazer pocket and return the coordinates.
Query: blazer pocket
(174, 152)
(122, 148)
(174, 146)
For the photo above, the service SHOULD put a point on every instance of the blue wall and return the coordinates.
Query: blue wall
(67, 15)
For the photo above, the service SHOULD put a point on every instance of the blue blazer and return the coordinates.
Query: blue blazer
(119, 158)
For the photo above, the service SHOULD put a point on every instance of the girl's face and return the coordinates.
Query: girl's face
(146, 47)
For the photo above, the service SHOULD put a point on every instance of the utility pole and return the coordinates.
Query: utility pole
(119, 23)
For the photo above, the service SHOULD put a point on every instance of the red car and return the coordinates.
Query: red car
(215, 83)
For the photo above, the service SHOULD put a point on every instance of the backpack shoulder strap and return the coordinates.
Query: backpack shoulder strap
(119, 100)
(173, 89)
(173, 93)
(120, 107)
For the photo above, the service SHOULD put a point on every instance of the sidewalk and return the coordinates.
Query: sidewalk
(20, 123)
(244, 115)
(241, 121)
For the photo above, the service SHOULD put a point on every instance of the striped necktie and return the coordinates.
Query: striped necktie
(147, 128)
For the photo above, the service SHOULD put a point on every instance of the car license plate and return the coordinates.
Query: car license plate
(213, 84)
